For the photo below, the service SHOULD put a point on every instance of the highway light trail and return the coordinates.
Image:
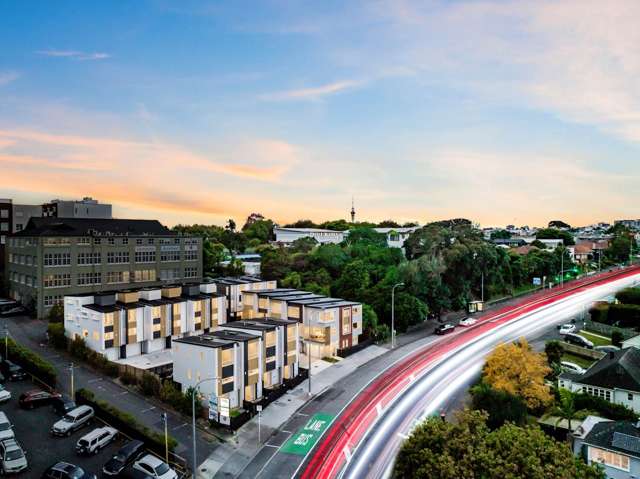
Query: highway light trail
(365, 438)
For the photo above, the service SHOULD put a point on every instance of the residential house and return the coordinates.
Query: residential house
(233, 288)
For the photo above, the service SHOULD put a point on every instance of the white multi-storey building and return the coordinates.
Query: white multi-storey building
(233, 287)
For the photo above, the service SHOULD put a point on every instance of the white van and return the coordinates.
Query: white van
(6, 428)
(97, 439)
(72, 421)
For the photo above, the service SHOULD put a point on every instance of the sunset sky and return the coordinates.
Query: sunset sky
(498, 111)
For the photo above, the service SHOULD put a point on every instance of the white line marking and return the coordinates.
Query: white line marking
(149, 409)
(123, 393)
(94, 380)
(288, 432)
(271, 445)
(180, 426)
(379, 409)
(347, 453)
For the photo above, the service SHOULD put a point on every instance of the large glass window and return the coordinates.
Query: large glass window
(609, 458)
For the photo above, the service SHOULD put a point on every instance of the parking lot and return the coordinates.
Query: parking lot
(32, 427)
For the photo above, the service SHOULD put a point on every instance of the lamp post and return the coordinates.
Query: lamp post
(475, 256)
(193, 423)
(163, 418)
(562, 268)
(73, 392)
(393, 314)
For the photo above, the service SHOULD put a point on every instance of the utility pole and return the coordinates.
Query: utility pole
(562, 268)
(308, 353)
(259, 417)
(193, 416)
(393, 314)
(73, 391)
(163, 417)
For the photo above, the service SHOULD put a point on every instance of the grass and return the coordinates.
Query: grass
(579, 360)
(597, 340)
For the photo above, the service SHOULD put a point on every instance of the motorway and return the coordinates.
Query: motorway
(365, 437)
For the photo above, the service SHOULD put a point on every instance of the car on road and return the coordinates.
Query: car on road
(65, 470)
(72, 421)
(572, 367)
(125, 456)
(12, 371)
(578, 340)
(567, 328)
(6, 428)
(37, 398)
(92, 442)
(5, 395)
(609, 348)
(155, 467)
(445, 329)
(467, 322)
(63, 405)
(12, 456)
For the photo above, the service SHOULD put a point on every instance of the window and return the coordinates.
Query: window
(96, 336)
(3, 239)
(629, 397)
(169, 256)
(56, 280)
(169, 274)
(97, 241)
(190, 272)
(609, 458)
(89, 258)
(117, 257)
(111, 241)
(142, 275)
(55, 259)
(116, 277)
(4, 213)
(57, 241)
(145, 256)
(87, 279)
(125, 241)
(4, 226)
(84, 241)
(151, 241)
(51, 300)
(139, 241)
(191, 256)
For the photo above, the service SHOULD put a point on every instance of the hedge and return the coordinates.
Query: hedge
(600, 313)
(56, 335)
(629, 296)
(125, 422)
(609, 410)
(78, 349)
(625, 315)
(30, 362)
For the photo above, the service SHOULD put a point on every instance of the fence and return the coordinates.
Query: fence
(607, 329)
(343, 353)
(580, 351)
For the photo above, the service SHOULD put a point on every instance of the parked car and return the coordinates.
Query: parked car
(155, 467)
(445, 329)
(467, 322)
(572, 367)
(13, 457)
(607, 348)
(578, 340)
(567, 328)
(6, 428)
(131, 473)
(64, 470)
(72, 421)
(37, 398)
(125, 456)
(13, 310)
(12, 371)
(92, 442)
(4, 394)
(63, 405)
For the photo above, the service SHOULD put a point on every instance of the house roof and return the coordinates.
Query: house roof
(206, 341)
(583, 248)
(93, 226)
(618, 369)
(523, 250)
(620, 436)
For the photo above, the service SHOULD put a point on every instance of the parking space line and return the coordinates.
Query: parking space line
(180, 426)
(149, 409)
(94, 380)
(123, 393)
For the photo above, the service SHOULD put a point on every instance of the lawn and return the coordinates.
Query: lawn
(597, 340)
(579, 360)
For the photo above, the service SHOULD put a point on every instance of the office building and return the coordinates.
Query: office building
(84, 208)
(56, 257)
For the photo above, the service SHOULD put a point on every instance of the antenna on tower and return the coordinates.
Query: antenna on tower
(353, 211)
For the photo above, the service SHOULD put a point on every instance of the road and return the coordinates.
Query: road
(366, 438)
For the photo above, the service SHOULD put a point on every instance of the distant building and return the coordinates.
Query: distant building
(632, 224)
(56, 257)
(84, 208)
(22, 214)
(6, 222)
(286, 236)
(250, 263)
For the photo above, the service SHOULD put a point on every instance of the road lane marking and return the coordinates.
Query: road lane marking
(94, 380)
(123, 393)
(271, 445)
(347, 453)
(379, 409)
(180, 426)
(149, 409)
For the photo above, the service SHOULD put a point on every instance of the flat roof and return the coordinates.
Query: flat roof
(149, 361)
(232, 335)
(272, 290)
(332, 304)
(275, 321)
(249, 324)
(285, 294)
(238, 280)
(103, 309)
(206, 341)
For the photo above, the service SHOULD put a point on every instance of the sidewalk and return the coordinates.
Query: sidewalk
(230, 458)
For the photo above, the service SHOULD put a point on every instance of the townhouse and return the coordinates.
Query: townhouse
(56, 257)
(234, 287)
(328, 324)
(126, 324)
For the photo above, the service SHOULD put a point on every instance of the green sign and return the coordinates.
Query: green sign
(307, 437)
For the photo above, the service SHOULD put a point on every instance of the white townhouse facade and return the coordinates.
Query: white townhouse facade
(125, 324)
(233, 287)
(395, 236)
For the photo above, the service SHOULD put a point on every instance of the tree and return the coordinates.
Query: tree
(518, 370)
(566, 409)
(538, 244)
(500, 406)
(234, 268)
(468, 449)
(554, 352)
(629, 296)
(554, 233)
(302, 224)
(353, 281)
(213, 254)
(56, 313)
(500, 234)
(292, 280)
(558, 224)
(367, 236)
(303, 245)
(388, 224)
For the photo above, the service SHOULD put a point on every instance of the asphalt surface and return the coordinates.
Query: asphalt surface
(31, 333)
(31, 428)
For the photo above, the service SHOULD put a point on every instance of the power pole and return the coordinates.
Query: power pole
(73, 392)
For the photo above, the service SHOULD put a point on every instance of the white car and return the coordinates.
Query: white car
(6, 428)
(154, 467)
(4, 394)
(567, 328)
(97, 439)
(467, 322)
(13, 457)
(572, 367)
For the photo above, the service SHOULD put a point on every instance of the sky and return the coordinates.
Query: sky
(503, 112)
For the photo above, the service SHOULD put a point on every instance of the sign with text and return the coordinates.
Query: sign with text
(213, 408)
(307, 437)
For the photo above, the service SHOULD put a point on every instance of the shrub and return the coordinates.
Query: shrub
(609, 410)
(629, 296)
(125, 422)
(128, 378)
(617, 338)
(31, 362)
(625, 315)
(56, 335)
(599, 313)
(78, 348)
(179, 401)
(56, 313)
(500, 406)
(150, 385)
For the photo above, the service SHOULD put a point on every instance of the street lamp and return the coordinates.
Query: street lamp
(393, 314)
(163, 418)
(73, 393)
(193, 413)
(475, 256)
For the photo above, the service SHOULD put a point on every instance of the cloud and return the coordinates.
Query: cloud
(7, 77)
(74, 54)
(313, 93)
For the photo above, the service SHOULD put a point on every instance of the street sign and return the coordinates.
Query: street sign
(537, 281)
(259, 408)
(223, 404)
(307, 437)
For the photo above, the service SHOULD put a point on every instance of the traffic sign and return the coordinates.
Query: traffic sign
(307, 437)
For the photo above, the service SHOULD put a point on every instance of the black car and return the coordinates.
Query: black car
(63, 405)
(578, 340)
(123, 458)
(64, 470)
(12, 371)
(445, 329)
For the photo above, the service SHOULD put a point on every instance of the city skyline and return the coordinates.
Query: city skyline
(501, 112)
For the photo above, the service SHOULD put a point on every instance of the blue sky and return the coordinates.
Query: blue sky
(500, 111)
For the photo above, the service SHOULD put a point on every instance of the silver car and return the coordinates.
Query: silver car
(13, 457)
